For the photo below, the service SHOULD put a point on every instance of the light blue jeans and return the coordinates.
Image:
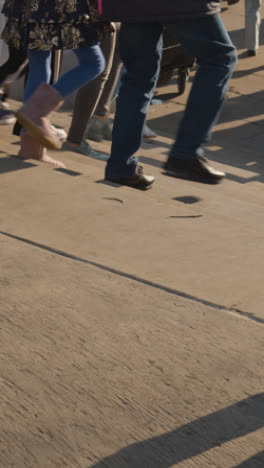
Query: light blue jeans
(141, 51)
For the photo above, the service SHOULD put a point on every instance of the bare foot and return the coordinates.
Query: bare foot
(53, 162)
(41, 156)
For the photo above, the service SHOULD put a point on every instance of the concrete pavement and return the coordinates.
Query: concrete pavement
(132, 323)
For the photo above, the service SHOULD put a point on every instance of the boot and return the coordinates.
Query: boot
(30, 149)
(33, 115)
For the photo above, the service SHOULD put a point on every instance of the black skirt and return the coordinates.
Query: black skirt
(52, 24)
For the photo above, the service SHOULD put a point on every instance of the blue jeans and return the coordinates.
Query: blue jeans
(141, 52)
(91, 64)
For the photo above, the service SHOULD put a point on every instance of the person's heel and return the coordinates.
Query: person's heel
(30, 149)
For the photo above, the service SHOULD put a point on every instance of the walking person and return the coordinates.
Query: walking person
(252, 26)
(40, 26)
(92, 103)
(4, 52)
(14, 67)
(6, 115)
(198, 27)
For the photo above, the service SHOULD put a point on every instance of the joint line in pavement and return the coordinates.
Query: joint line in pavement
(135, 278)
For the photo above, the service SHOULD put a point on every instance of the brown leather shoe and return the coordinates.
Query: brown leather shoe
(197, 169)
(139, 180)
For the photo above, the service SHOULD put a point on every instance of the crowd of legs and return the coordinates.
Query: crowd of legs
(136, 48)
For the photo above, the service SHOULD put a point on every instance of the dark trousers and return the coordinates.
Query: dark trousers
(95, 97)
(141, 51)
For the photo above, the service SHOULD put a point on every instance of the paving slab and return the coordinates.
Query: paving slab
(98, 370)
(204, 248)
(132, 322)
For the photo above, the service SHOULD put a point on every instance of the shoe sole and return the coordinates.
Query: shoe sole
(139, 186)
(192, 177)
(147, 137)
(36, 133)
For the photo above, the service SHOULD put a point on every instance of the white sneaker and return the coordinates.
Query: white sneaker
(59, 132)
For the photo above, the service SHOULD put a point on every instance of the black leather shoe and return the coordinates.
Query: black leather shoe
(139, 180)
(251, 53)
(197, 169)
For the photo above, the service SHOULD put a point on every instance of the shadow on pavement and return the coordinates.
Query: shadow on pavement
(151, 161)
(257, 461)
(10, 164)
(240, 144)
(249, 71)
(68, 172)
(168, 96)
(238, 37)
(188, 199)
(194, 438)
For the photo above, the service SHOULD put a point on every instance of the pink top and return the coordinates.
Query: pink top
(100, 6)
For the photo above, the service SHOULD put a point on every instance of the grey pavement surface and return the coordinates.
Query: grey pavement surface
(132, 323)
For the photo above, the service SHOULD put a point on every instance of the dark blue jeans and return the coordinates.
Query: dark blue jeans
(141, 51)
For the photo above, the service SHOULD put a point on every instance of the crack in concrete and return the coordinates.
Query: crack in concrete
(175, 292)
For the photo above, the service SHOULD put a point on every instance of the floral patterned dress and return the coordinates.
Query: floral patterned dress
(52, 24)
